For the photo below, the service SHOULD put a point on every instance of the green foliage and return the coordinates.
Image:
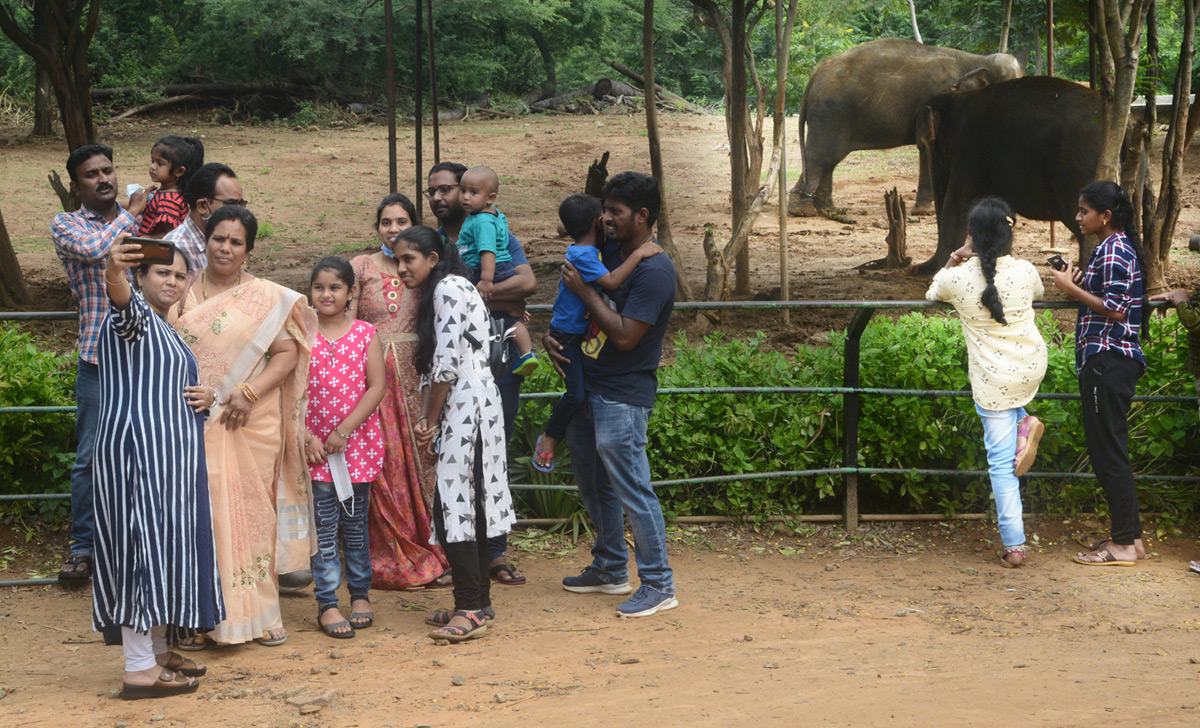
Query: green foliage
(38, 449)
(700, 435)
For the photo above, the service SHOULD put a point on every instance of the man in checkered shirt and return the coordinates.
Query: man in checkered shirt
(82, 240)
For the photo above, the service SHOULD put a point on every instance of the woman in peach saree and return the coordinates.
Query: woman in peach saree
(252, 339)
(398, 522)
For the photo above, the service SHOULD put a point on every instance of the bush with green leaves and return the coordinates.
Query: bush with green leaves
(698, 435)
(37, 450)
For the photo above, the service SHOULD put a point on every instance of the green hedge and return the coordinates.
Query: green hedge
(699, 435)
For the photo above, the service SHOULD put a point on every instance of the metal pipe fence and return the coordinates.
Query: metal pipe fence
(849, 390)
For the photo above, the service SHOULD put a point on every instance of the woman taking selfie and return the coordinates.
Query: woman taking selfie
(156, 575)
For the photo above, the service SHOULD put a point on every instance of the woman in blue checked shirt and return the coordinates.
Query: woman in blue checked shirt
(1109, 358)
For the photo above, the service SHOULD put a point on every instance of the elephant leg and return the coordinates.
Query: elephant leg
(924, 204)
(814, 190)
(952, 226)
(800, 203)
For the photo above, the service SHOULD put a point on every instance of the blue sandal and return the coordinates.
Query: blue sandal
(537, 449)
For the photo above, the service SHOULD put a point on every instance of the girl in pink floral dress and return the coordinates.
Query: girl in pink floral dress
(343, 443)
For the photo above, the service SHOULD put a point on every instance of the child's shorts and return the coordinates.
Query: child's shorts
(504, 271)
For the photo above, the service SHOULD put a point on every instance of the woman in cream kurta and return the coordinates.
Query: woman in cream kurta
(993, 293)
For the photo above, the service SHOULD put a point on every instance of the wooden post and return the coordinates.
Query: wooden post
(897, 237)
(1050, 72)
(433, 96)
(389, 50)
(419, 115)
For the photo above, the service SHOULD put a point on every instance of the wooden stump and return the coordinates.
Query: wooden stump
(597, 175)
(897, 237)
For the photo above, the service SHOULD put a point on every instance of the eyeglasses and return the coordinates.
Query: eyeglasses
(239, 203)
(442, 190)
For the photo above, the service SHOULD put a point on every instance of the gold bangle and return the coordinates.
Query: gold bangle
(249, 392)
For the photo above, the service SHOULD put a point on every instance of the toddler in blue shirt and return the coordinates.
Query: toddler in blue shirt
(483, 244)
(581, 216)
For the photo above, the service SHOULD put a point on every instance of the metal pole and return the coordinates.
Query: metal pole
(785, 292)
(850, 414)
(389, 50)
(433, 97)
(1050, 72)
(419, 115)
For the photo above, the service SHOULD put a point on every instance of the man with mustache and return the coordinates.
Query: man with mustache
(82, 240)
(508, 297)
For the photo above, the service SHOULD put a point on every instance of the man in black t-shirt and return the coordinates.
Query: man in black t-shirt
(607, 438)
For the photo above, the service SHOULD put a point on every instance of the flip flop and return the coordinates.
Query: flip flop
(178, 663)
(448, 584)
(536, 449)
(196, 643)
(1031, 428)
(1194, 566)
(1106, 559)
(165, 686)
(1095, 543)
(506, 568)
(267, 641)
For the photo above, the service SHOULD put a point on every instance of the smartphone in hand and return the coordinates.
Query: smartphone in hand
(1056, 262)
(154, 251)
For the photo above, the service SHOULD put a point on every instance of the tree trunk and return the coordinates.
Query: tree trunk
(912, 14)
(1119, 37)
(608, 87)
(737, 116)
(13, 291)
(665, 238)
(64, 60)
(664, 95)
(1160, 222)
(548, 64)
(43, 113)
(897, 237)
(1150, 79)
(1005, 21)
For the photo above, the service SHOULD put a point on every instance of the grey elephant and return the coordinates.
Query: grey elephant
(869, 98)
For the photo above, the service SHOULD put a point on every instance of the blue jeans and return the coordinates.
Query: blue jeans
(608, 453)
(1000, 439)
(576, 393)
(510, 393)
(335, 523)
(87, 421)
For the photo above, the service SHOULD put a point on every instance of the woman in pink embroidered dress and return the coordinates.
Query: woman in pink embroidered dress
(399, 524)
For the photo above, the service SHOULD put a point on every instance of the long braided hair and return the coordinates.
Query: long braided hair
(990, 226)
(1107, 195)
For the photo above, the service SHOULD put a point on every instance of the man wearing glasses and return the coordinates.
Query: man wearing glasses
(212, 187)
(508, 298)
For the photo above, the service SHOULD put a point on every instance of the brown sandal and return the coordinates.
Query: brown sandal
(1003, 553)
(179, 664)
(167, 684)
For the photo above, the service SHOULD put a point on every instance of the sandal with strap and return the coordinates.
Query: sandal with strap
(166, 685)
(441, 619)
(1030, 428)
(330, 628)
(451, 633)
(361, 620)
(1003, 553)
(513, 579)
(268, 641)
(196, 643)
(70, 570)
(179, 664)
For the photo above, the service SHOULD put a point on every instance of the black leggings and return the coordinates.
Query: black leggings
(1106, 384)
(468, 559)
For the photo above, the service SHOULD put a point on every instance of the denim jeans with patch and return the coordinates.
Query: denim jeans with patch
(344, 522)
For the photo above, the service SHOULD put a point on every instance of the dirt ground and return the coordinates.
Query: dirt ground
(895, 626)
(892, 626)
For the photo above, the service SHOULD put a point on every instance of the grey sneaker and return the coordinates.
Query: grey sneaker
(590, 581)
(645, 602)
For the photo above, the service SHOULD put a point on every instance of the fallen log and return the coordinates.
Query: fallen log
(161, 104)
(666, 96)
(609, 87)
(204, 89)
(562, 99)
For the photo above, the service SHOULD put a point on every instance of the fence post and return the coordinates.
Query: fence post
(850, 415)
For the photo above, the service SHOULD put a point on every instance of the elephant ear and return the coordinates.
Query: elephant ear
(974, 80)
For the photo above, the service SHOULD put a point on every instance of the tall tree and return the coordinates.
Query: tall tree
(63, 55)
(1005, 22)
(1162, 214)
(912, 14)
(1118, 31)
(12, 283)
(665, 238)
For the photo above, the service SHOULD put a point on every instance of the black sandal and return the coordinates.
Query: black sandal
(365, 619)
(70, 570)
(328, 628)
(441, 619)
(504, 567)
(478, 628)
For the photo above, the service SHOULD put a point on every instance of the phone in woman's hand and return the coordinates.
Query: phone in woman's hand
(1057, 263)
(154, 251)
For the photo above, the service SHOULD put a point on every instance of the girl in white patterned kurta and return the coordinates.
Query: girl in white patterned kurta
(993, 293)
(461, 407)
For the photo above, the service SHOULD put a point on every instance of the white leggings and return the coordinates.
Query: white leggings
(140, 648)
